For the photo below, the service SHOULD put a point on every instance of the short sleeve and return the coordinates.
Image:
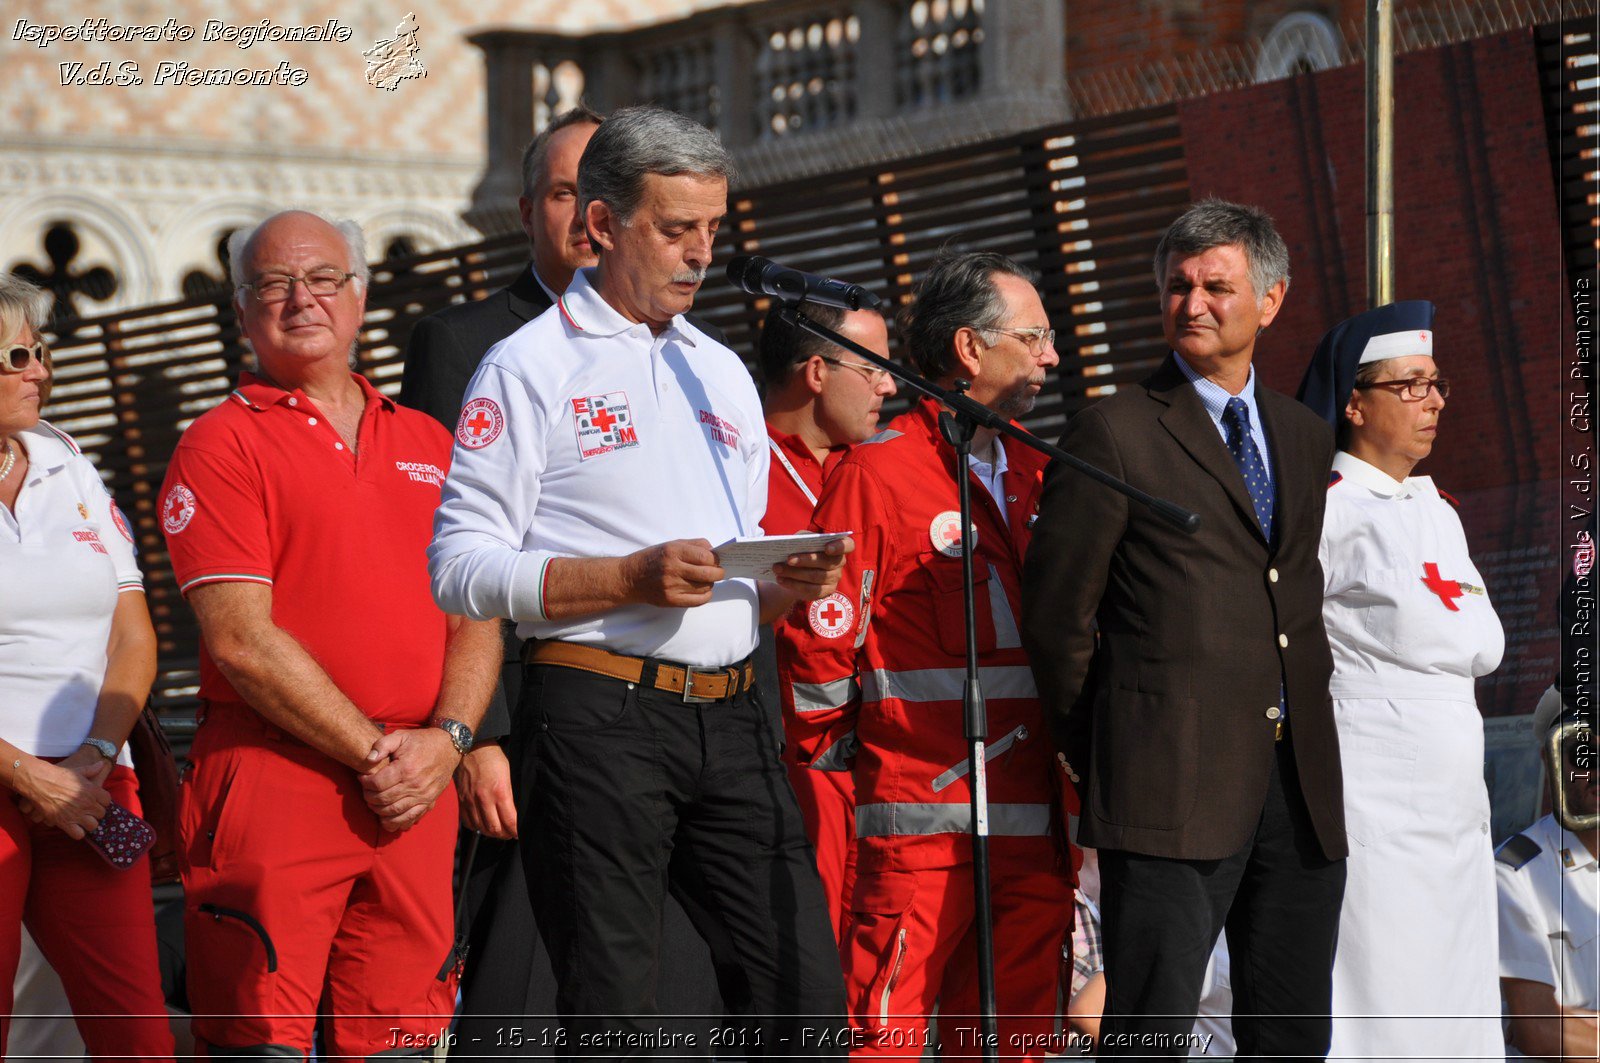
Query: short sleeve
(120, 545)
(213, 513)
(1524, 935)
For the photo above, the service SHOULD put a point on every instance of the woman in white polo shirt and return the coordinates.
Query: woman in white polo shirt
(77, 657)
(1411, 627)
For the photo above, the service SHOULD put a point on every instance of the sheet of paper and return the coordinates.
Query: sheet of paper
(752, 556)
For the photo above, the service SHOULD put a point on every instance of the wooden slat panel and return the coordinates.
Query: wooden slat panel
(1081, 201)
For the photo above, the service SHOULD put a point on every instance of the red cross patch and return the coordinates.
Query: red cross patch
(1448, 590)
(832, 617)
(945, 533)
(604, 423)
(121, 522)
(177, 510)
(481, 423)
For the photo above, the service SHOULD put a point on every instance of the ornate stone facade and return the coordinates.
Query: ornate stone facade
(149, 176)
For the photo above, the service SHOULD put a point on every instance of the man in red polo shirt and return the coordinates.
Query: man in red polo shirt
(819, 400)
(318, 815)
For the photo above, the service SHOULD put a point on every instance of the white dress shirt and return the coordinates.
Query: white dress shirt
(585, 435)
(1550, 916)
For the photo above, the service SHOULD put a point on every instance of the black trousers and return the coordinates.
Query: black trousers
(630, 790)
(507, 984)
(1278, 899)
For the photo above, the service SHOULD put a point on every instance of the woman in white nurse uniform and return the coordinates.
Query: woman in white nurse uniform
(1411, 627)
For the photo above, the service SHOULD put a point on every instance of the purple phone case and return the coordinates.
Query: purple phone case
(122, 837)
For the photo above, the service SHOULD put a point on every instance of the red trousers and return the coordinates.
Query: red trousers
(912, 943)
(828, 806)
(96, 925)
(297, 901)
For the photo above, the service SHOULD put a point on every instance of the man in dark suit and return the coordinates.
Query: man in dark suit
(1197, 724)
(504, 975)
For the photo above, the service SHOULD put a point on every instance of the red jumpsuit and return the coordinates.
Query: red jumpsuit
(877, 671)
(827, 798)
(296, 900)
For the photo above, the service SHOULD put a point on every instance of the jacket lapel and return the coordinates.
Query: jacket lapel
(1188, 422)
(525, 298)
(1289, 457)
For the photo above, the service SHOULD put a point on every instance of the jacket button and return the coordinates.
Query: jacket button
(1283, 640)
(1274, 712)
(1272, 574)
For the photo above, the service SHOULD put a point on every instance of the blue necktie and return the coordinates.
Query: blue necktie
(1236, 419)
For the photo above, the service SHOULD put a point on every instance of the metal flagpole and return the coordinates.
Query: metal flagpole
(1380, 152)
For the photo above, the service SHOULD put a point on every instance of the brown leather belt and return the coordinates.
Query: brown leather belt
(703, 684)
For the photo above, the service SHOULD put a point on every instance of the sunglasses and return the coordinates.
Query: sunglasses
(17, 357)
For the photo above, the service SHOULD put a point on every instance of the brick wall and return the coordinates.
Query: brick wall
(1477, 232)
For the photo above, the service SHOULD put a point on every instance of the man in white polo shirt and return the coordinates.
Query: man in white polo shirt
(600, 453)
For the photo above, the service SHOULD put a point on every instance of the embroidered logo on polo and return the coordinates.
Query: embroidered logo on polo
(481, 424)
(178, 509)
(721, 431)
(604, 423)
(421, 472)
(832, 617)
(121, 522)
(945, 533)
(91, 538)
(1448, 590)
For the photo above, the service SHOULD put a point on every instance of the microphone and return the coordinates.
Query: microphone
(762, 276)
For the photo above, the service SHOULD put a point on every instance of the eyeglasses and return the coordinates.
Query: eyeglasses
(17, 357)
(1037, 339)
(874, 375)
(1415, 388)
(276, 287)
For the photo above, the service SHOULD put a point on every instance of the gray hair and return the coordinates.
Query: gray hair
(958, 292)
(637, 141)
(1214, 222)
(538, 149)
(21, 303)
(355, 241)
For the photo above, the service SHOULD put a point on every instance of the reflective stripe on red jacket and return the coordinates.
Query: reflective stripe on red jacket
(878, 668)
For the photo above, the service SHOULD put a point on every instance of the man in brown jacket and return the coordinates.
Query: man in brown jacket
(1197, 727)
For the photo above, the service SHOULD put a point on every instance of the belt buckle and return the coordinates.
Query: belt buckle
(688, 683)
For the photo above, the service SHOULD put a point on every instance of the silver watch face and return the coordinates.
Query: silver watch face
(102, 746)
(460, 734)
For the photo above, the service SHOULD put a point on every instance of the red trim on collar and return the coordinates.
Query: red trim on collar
(1335, 478)
(1448, 497)
(561, 301)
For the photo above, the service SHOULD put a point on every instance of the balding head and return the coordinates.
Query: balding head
(288, 324)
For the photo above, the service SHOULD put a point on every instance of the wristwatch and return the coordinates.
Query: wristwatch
(104, 747)
(460, 734)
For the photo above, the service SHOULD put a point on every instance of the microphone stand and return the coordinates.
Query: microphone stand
(958, 423)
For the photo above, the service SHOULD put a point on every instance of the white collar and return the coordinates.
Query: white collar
(586, 311)
(49, 450)
(549, 291)
(1376, 480)
(999, 465)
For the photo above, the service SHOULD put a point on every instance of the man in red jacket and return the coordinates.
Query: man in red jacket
(877, 671)
(819, 400)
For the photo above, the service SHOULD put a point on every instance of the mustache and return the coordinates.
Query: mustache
(689, 275)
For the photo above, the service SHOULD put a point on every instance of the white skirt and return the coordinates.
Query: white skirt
(1416, 974)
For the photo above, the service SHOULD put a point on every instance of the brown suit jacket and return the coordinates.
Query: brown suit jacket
(1164, 718)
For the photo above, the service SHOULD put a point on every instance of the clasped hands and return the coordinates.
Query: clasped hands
(405, 772)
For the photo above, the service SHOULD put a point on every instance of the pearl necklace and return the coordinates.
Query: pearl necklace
(11, 460)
